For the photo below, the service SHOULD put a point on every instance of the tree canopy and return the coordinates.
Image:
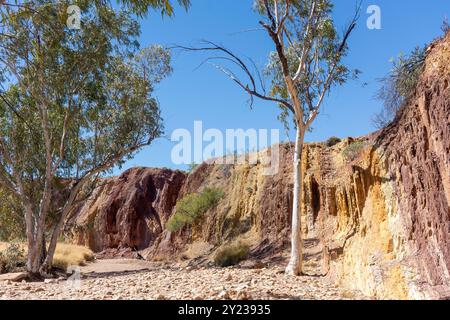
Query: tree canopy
(306, 63)
(140, 7)
(73, 103)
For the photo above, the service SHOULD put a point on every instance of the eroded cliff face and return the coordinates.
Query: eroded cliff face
(378, 221)
(127, 213)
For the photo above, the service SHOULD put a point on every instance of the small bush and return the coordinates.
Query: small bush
(193, 206)
(231, 255)
(71, 255)
(12, 258)
(352, 151)
(332, 141)
(399, 85)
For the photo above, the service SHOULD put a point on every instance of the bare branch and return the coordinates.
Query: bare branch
(251, 89)
(258, 74)
(245, 31)
(350, 29)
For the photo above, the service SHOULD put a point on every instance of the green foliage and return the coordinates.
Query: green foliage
(73, 103)
(11, 258)
(353, 150)
(11, 220)
(332, 141)
(324, 66)
(231, 255)
(141, 7)
(96, 82)
(399, 84)
(193, 206)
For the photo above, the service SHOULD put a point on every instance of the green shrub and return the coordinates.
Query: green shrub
(193, 206)
(231, 255)
(352, 151)
(332, 141)
(399, 85)
(12, 258)
(12, 225)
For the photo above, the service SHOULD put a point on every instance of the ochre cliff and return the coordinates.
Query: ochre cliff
(128, 212)
(378, 221)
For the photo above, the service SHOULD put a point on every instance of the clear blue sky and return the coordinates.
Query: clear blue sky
(206, 94)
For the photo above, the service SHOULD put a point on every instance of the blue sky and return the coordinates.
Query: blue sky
(206, 94)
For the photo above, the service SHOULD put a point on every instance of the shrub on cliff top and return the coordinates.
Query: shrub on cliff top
(353, 150)
(231, 255)
(193, 206)
(399, 85)
(332, 141)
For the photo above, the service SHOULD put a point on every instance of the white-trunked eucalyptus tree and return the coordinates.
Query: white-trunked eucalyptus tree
(306, 64)
(73, 104)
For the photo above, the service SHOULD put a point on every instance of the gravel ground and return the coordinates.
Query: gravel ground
(134, 279)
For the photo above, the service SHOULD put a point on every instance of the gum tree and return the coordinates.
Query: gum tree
(73, 104)
(142, 6)
(306, 64)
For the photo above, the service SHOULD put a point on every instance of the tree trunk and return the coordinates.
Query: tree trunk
(295, 263)
(37, 249)
(37, 253)
(29, 223)
(48, 263)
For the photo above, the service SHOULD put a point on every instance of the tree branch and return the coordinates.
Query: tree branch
(306, 43)
(252, 89)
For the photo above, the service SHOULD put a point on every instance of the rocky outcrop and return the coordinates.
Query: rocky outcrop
(376, 219)
(128, 212)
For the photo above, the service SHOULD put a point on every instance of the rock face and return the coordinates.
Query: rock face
(128, 212)
(376, 209)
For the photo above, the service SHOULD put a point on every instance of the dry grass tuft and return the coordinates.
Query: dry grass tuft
(66, 255)
(230, 255)
(71, 255)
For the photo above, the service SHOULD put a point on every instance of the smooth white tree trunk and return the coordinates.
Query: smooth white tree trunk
(295, 264)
